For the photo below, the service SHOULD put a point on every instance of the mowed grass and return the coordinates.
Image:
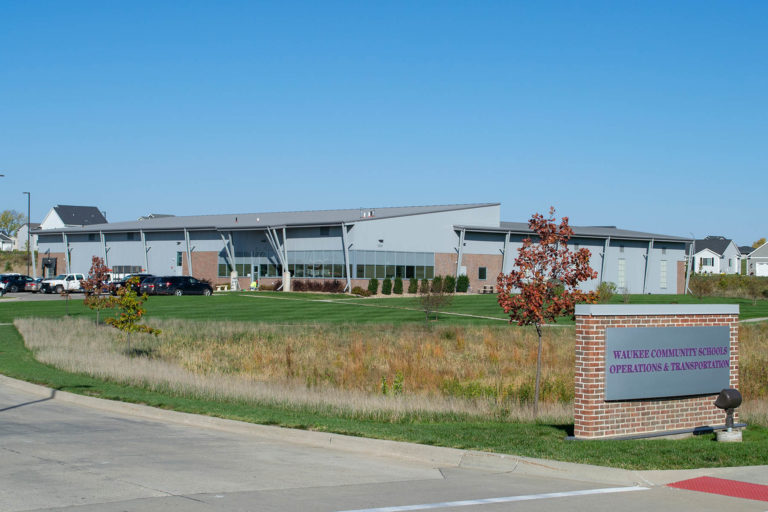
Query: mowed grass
(278, 307)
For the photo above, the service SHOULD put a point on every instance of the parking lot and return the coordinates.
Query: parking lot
(29, 296)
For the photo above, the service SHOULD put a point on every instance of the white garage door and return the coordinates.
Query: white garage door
(761, 269)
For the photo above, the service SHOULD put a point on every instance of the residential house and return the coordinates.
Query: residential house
(20, 242)
(757, 261)
(716, 255)
(66, 216)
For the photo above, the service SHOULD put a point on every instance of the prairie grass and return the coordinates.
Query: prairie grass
(329, 368)
(387, 372)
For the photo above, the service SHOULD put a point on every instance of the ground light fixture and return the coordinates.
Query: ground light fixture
(728, 400)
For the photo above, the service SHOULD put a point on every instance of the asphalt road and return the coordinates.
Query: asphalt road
(62, 456)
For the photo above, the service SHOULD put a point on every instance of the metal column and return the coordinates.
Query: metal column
(189, 251)
(602, 261)
(647, 261)
(230, 255)
(144, 245)
(461, 253)
(504, 254)
(689, 266)
(346, 256)
(66, 250)
(104, 247)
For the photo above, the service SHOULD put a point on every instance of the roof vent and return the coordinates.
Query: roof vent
(365, 213)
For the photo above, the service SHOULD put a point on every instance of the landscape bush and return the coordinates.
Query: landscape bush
(322, 285)
(386, 286)
(424, 286)
(437, 284)
(728, 285)
(449, 284)
(373, 286)
(397, 289)
(605, 291)
(361, 292)
(413, 285)
(462, 283)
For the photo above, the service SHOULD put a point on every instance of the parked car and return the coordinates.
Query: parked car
(69, 282)
(34, 285)
(15, 282)
(175, 285)
(4, 278)
(119, 283)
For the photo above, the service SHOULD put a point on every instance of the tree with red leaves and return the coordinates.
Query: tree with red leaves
(544, 283)
(97, 288)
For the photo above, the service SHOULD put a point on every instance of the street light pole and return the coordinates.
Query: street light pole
(29, 200)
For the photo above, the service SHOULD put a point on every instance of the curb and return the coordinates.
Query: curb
(435, 456)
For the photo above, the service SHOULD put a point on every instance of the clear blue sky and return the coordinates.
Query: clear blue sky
(647, 115)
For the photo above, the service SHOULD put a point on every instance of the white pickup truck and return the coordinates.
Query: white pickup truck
(69, 282)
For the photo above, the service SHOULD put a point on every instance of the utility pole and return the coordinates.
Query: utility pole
(29, 226)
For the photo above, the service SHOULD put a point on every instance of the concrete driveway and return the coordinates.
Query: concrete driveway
(60, 455)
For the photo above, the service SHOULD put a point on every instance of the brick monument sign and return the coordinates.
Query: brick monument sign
(650, 369)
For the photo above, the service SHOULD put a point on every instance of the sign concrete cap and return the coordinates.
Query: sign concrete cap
(656, 309)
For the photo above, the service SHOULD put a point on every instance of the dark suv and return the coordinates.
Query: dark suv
(121, 282)
(175, 285)
(14, 282)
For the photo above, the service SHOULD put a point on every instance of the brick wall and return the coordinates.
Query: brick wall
(595, 418)
(473, 262)
(680, 277)
(61, 262)
(445, 263)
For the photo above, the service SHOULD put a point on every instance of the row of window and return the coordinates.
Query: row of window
(330, 264)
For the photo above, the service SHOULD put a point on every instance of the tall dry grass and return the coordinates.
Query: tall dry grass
(311, 366)
(476, 371)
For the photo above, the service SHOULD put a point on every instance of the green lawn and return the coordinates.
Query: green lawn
(277, 307)
(527, 439)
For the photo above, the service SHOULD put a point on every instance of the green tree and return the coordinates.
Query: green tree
(11, 221)
(397, 289)
(131, 310)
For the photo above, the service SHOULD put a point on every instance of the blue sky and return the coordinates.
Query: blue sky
(647, 115)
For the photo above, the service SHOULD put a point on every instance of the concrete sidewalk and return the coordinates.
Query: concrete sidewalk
(437, 457)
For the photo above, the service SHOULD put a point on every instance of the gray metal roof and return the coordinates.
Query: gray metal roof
(79, 215)
(238, 221)
(580, 231)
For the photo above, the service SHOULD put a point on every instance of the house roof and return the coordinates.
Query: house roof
(601, 232)
(745, 249)
(716, 244)
(238, 221)
(79, 215)
(5, 236)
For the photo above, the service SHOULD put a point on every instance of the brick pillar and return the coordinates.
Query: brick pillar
(594, 417)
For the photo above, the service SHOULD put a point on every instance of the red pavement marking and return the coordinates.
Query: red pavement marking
(732, 488)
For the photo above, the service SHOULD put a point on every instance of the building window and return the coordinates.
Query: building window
(621, 274)
(91, 237)
(179, 259)
(663, 251)
(707, 262)
(130, 236)
(482, 273)
(126, 269)
(325, 231)
(392, 264)
(663, 275)
(575, 247)
(621, 248)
